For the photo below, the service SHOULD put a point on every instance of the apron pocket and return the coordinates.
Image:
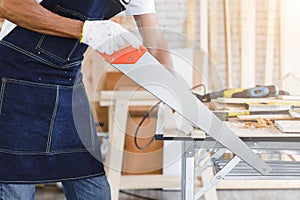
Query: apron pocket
(52, 45)
(73, 128)
(26, 111)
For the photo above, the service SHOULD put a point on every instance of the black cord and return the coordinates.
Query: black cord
(126, 2)
(135, 195)
(200, 85)
(138, 128)
(148, 114)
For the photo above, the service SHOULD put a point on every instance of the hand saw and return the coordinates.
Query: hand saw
(140, 66)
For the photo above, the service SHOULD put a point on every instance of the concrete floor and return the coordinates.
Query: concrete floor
(53, 193)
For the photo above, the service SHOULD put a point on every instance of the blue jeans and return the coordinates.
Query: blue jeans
(82, 189)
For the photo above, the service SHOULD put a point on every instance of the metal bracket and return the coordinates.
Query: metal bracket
(218, 177)
(210, 162)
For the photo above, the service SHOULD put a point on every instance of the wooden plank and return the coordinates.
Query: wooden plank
(279, 30)
(272, 131)
(228, 42)
(289, 97)
(213, 43)
(288, 126)
(206, 177)
(190, 24)
(258, 184)
(150, 182)
(114, 157)
(269, 62)
(198, 68)
(248, 33)
(203, 54)
(270, 117)
(135, 98)
(239, 35)
(256, 100)
(213, 30)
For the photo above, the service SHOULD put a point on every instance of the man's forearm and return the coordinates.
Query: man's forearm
(153, 38)
(29, 14)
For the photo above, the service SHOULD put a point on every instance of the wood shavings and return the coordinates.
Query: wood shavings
(249, 124)
(268, 122)
(260, 123)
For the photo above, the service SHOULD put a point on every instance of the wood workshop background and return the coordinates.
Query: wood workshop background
(271, 24)
(249, 42)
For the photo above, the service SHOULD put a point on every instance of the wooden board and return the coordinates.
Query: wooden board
(272, 131)
(254, 100)
(258, 184)
(248, 28)
(270, 117)
(204, 38)
(269, 62)
(213, 43)
(295, 113)
(228, 42)
(190, 24)
(136, 161)
(279, 43)
(289, 97)
(150, 182)
(288, 126)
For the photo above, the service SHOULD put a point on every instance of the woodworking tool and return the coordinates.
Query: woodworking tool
(145, 70)
(255, 92)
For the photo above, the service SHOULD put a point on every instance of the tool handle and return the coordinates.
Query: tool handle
(127, 55)
(258, 92)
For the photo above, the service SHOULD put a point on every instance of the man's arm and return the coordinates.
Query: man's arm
(30, 15)
(154, 39)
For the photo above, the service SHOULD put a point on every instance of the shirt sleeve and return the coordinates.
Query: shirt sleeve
(139, 7)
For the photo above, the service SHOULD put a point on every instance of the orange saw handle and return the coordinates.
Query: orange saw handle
(127, 55)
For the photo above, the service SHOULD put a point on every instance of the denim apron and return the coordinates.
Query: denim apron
(47, 130)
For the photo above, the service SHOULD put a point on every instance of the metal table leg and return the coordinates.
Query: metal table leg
(188, 167)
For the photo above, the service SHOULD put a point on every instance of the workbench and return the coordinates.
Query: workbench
(203, 153)
(200, 155)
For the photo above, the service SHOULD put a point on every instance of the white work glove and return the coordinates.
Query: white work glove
(107, 36)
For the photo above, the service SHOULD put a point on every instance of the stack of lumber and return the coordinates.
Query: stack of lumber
(280, 113)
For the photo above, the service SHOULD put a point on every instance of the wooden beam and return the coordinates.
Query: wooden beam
(248, 33)
(213, 43)
(190, 24)
(206, 178)
(279, 30)
(150, 182)
(213, 30)
(203, 40)
(228, 42)
(114, 157)
(258, 184)
(269, 62)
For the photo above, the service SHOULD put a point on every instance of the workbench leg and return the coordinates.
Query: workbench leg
(188, 167)
(114, 158)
